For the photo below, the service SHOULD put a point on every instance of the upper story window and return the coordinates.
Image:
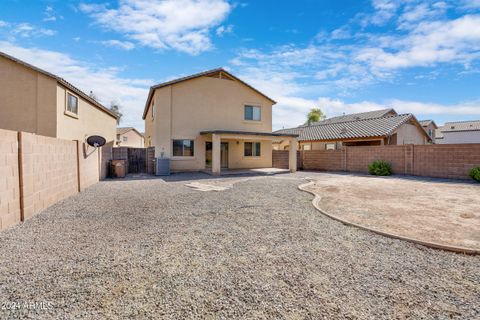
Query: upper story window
(253, 113)
(72, 103)
(183, 148)
(118, 136)
(125, 139)
(430, 133)
(154, 110)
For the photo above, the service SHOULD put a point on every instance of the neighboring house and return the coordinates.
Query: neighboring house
(129, 137)
(459, 132)
(211, 120)
(34, 100)
(380, 127)
(430, 127)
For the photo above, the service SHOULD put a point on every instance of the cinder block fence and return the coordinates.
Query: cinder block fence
(38, 171)
(439, 161)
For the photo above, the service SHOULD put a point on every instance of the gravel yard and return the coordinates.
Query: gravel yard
(151, 249)
(432, 210)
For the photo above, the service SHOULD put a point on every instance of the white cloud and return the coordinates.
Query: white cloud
(222, 30)
(124, 45)
(106, 83)
(430, 43)
(334, 107)
(291, 112)
(25, 30)
(183, 25)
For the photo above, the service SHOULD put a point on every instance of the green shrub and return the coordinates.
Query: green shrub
(380, 168)
(475, 173)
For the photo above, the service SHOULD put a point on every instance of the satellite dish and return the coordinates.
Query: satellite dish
(96, 141)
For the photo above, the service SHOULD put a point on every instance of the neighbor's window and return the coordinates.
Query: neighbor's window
(430, 133)
(330, 146)
(306, 147)
(125, 139)
(118, 137)
(253, 113)
(183, 148)
(72, 103)
(154, 110)
(252, 149)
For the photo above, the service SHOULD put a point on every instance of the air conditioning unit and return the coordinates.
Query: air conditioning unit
(162, 166)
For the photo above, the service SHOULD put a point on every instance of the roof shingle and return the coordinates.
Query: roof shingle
(365, 128)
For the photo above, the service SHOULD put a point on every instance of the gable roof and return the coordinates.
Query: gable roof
(461, 126)
(62, 82)
(123, 130)
(426, 123)
(198, 75)
(364, 128)
(355, 116)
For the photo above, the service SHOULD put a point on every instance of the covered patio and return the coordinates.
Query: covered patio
(243, 157)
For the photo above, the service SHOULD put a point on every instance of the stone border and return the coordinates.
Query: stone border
(316, 204)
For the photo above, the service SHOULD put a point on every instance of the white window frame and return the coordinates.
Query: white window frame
(254, 107)
(254, 149)
(328, 146)
(68, 111)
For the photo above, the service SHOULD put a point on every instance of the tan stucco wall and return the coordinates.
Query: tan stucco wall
(432, 128)
(133, 140)
(9, 179)
(90, 120)
(460, 137)
(410, 134)
(27, 99)
(185, 109)
(150, 128)
(49, 168)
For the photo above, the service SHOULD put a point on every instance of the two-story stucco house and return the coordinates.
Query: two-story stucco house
(129, 137)
(211, 120)
(34, 100)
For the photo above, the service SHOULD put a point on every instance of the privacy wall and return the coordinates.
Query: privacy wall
(9, 179)
(439, 161)
(38, 171)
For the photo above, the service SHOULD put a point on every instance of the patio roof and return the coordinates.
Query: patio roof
(246, 133)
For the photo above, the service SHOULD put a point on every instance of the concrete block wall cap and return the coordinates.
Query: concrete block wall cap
(433, 245)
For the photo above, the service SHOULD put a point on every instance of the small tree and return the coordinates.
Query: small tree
(115, 108)
(315, 115)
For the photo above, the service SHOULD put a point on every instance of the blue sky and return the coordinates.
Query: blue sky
(421, 57)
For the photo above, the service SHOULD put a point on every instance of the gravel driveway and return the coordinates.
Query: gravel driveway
(149, 249)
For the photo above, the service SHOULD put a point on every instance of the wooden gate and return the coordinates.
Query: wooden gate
(137, 160)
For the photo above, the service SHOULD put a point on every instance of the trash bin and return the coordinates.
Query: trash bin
(119, 168)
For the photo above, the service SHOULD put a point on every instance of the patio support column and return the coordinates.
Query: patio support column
(292, 155)
(215, 154)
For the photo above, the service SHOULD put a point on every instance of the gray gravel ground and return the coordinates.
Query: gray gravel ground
(148, 249)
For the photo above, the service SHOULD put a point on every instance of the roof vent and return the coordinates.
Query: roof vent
(452, 127)
(357, 118)
(343, 131)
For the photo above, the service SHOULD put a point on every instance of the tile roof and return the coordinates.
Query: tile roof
(365, 128)
(63, 82)
(123, 130)
(355, 116)
(461, 126)
(426, 123)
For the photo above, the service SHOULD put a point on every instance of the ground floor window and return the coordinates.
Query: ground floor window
(252, 149)
(183, 148)
(330, 146)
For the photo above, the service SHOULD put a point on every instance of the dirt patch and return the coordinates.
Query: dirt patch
(436, 211)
